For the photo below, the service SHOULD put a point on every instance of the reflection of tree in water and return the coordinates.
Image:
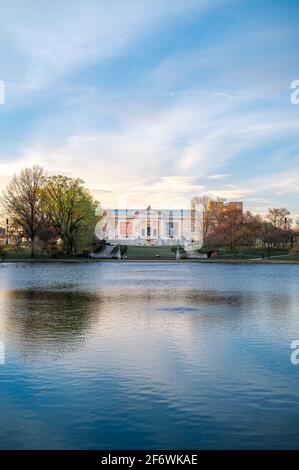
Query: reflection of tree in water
(48, 320)
(55, 322)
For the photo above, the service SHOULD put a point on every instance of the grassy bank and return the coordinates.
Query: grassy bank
(142, 252)
(150, 260)
(250, 253)
(164, 253)
(8, 253)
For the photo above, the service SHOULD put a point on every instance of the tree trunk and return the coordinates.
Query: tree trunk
(32, 247)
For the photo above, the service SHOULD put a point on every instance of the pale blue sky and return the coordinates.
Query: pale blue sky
(154, 101)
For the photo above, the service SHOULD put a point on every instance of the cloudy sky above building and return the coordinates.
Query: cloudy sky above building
(154, 101)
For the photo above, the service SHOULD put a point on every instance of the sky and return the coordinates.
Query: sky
(154, 101)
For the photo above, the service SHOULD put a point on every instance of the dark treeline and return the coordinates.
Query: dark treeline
(227, 226)
(55, 214)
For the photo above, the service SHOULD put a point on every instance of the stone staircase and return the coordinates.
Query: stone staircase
(106, 253)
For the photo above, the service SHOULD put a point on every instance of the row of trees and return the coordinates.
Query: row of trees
(50, 211)
(229, 227)
(60, 213)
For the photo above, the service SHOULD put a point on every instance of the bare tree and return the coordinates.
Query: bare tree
(279, 218)
(217, 213)
(22, 201)
(203, 203)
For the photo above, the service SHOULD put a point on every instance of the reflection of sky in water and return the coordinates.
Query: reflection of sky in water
(128, 355)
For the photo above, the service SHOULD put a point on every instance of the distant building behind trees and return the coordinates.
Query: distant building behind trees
(228, 226)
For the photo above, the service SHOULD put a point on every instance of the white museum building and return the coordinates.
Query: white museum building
(150, 227)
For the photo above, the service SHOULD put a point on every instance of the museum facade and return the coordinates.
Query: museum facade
(150, 227)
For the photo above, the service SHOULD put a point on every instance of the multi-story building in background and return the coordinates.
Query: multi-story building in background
(225, 206)
(219, 212)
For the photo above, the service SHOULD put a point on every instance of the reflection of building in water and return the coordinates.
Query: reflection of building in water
(151, 226)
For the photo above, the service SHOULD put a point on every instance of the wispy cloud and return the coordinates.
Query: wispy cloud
(62, 37)
(154, 101)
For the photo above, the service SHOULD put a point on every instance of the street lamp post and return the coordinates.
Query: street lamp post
(7, 221)
(177, 255)
(118, 252)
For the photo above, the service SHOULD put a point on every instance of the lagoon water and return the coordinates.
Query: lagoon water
(148, 355)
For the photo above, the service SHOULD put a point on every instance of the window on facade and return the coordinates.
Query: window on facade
(126, 229)
(170, 229)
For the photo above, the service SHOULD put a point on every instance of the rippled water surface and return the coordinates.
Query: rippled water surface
(148, 355)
